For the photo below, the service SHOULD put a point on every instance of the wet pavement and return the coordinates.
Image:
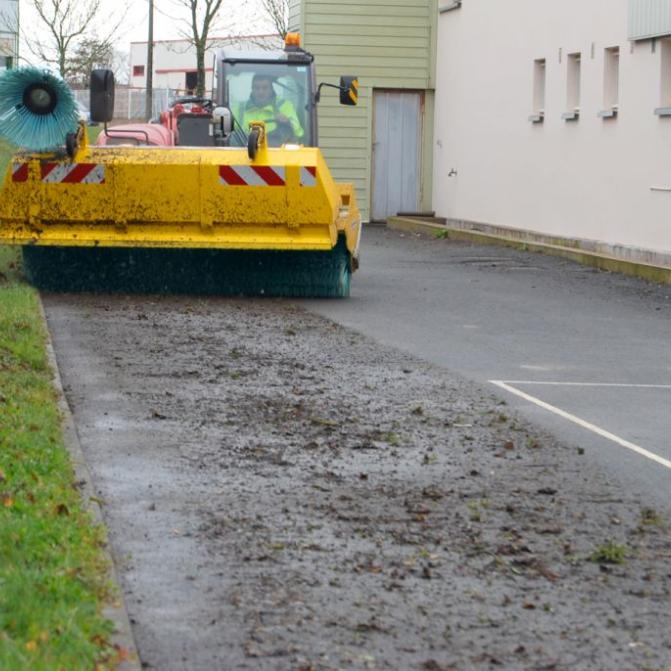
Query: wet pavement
(591, 344)
(284, 493)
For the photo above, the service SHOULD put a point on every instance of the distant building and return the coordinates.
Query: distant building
(555, 117)
(544, 117)
(175, 60)
(9, 33)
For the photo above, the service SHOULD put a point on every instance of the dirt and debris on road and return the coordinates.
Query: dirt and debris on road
(285, 494)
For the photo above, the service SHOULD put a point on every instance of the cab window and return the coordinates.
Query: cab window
(276, 93)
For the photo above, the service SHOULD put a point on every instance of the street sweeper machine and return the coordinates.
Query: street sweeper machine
(228, 194)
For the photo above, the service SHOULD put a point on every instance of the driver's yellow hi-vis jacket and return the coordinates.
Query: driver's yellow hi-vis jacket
(268, 113)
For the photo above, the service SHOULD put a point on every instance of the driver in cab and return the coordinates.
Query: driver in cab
(282, 124)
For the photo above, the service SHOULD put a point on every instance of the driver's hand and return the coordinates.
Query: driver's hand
(282, 119)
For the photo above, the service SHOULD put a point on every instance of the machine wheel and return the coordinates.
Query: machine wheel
(342, 275)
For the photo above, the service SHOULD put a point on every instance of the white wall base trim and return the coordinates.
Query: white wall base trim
(644, 263)
(622, 252)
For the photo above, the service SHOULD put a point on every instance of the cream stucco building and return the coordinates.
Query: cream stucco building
(555, 118)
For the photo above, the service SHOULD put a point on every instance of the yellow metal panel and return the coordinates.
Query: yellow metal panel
(177, 197)
(172, 235)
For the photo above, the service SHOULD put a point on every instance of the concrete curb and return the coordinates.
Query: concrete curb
(646, 271)
(116, 611)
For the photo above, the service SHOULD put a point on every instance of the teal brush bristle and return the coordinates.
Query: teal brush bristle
(309, 274)
(37, 109)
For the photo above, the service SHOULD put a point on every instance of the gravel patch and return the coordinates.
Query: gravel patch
(283, 493)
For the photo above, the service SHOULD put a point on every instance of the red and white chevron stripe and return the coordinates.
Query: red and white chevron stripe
(73, 173)
(252, 175)
(308, 176)
(19, 172)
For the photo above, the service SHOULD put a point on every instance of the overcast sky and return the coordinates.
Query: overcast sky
(235, 18)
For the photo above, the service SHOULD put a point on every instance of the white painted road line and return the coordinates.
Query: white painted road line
(585, 425)
(623, 385)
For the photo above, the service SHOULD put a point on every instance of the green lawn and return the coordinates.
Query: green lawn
(5, 155)
(94, 131)
(52, 572)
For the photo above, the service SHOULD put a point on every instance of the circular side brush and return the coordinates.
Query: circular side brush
(37, 109)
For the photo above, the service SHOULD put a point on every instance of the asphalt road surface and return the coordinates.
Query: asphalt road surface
(583, 353)
(283, 494)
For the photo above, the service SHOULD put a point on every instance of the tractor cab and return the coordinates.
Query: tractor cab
(274, 90)
(276, 87)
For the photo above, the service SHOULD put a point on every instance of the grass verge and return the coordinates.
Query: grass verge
(53, 575)
(5, 155)
(93, 132)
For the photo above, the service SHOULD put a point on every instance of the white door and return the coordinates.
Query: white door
(397, 136)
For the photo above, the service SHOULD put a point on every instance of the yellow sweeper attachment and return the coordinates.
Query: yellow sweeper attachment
(204, 220)
(210, 218)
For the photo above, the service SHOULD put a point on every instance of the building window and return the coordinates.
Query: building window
(191, 83)
(138, 71)
(538, 103)
(611, 82)
(572, 88)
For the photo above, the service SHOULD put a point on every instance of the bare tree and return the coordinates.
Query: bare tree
(278, 13)
(121, 66)
(203, 15)
(67, 22)
(89, 53)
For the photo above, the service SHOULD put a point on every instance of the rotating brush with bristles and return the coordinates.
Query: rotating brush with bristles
(37, 109)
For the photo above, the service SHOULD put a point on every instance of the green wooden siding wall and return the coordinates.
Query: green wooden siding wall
(295, 16)
(388, 44)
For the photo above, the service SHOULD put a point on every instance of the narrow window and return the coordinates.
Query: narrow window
(573, 87)
(538, 103)
(665, 55)
(611, 80)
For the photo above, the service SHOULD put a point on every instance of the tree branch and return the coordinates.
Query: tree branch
(68, 23)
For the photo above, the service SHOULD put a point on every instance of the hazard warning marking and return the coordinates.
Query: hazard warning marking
(308, 176)
(19, 172)
(252, 175)
(73, 173)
